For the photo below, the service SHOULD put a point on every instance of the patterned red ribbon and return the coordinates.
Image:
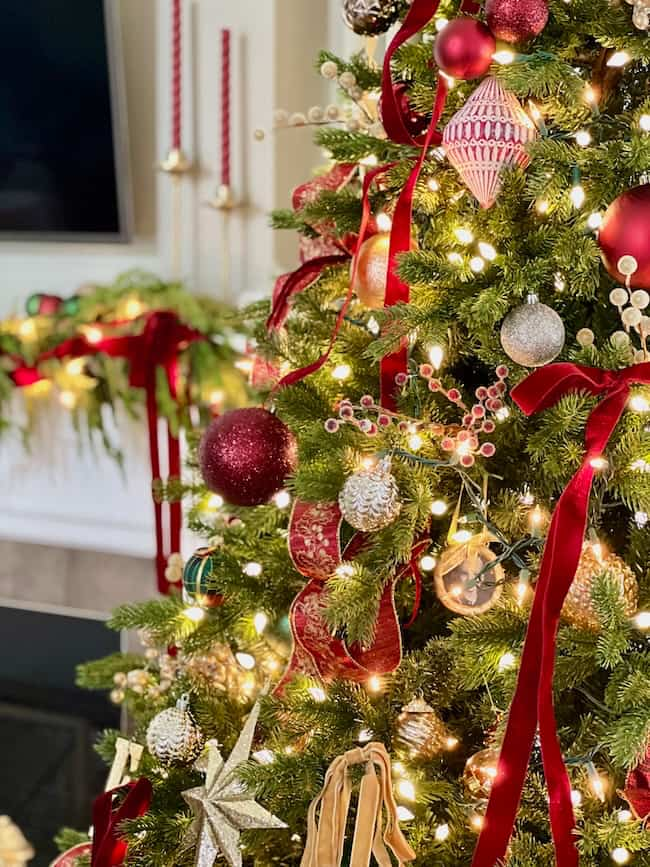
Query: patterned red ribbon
(532, 704)
(109, 849)
(315, 548)
(157, 345)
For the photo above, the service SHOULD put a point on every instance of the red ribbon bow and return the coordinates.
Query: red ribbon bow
(158, 344)
(109, 849)
(532, 704)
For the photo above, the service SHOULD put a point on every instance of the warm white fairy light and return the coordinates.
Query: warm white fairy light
(455, 258)
(341, 372)
(487, 251)
(624, 816)
(404, 814)
(451, 743)
(477, 264)
(536, 518)
(464, 235)
(253, 570)
(194, 614)
(246, 661)
(282, 499)
(345, 570)
(370, 161)
(260, 622)
(642, 620)
(595, 220)
(577, 195)
(576, 797)
(216, 397)
(317, 693)
(384, 222)
(439, 508)
(442, 833)
(75, 367)
(639, 403)
(504, 57)
(503, 413)
(364, 736)
(619, 59)
(441, 23)
(507, 661)
(374, 683)
(462, 537)
(68, 399)
(591, 95)
(644, 122)
(542, 206)
(641, 518)
(477, 822)
(620, 855)
(436, 356)
(433, 185)
(406, 789)
(522, 591)
(596, 783)
(264, 757)
(133, 308)
(215, 501)
(599, 463)
(427, 563)
(27, 329)
(415, 442)
(245, 365)
(583, 138)
(559, 282)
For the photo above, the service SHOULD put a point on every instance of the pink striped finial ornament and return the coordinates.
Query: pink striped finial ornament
(486, 136)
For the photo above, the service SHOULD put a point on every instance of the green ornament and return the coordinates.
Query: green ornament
(200, 577)
(70, 306)
(33, 304)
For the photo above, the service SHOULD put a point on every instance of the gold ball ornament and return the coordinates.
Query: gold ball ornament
(420, 729)
(369, 499)
(173, 736)
(480, 773)
(579, 609)
(372, 270)
(464, 580)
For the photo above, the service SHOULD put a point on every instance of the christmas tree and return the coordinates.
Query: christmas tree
(457, 462)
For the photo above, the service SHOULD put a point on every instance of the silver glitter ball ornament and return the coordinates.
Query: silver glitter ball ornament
(173, 736)
(533, 334)
(370, 498)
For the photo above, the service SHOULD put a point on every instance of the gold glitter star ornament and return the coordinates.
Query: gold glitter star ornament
(222, 807)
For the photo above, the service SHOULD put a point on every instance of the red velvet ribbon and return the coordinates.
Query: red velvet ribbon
(109, 849)
(297, 281)
(157, 345)
(532, 704)
(315, 548)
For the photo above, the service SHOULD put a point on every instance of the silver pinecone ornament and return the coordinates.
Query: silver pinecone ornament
(370, 498)
(640, 14)
(533, 334)
(173, 736)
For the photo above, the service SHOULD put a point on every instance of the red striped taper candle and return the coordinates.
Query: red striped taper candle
(176, 74)
(225, 107)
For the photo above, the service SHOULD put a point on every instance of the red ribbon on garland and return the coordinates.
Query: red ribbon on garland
(109, 848)
(315, 548)
(157, 345)
(532, 704)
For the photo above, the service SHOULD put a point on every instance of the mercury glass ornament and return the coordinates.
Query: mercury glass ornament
(370, 498)
(173, 736)
(480, 773)
(370, 17)
(579, 609)
(421, 730)
(533, 334)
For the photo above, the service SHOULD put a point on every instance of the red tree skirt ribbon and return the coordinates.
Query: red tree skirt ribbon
(109, 848)
(158, 345)
(532, 705)
(315, 548)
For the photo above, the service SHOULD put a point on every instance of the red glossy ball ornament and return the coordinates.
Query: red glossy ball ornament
(625, 232)
(464, 49)
(516, 20)
(245, 456)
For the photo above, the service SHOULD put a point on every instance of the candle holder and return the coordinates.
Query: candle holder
(224, 199)
(175, 163)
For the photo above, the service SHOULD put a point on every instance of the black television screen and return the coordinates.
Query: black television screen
(62, 170)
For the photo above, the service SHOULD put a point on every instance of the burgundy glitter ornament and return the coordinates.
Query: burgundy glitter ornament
(464, 49)
(516, 20)
(415, 122)
(625, 231)
(245, 456)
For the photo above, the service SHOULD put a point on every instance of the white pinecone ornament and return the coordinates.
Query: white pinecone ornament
(173, 736)
(370, 498)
